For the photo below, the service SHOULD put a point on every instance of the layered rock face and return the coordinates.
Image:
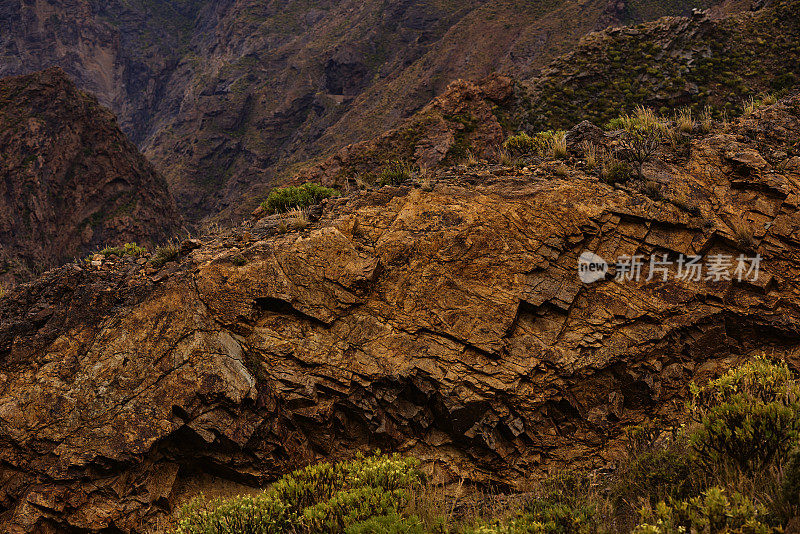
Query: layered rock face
(70, 181)
(449, 324)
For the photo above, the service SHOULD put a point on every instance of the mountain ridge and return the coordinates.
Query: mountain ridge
(70, 181)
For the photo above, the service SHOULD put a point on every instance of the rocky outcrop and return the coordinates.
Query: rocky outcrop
(464, 120)
(70, 181)
(450, 324)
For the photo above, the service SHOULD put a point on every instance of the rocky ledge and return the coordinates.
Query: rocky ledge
(447, 323)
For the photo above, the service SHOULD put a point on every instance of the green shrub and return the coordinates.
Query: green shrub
(395, 173)
(712, 512)
(520, 144)
(285, 198)
(324, 498)
(748, 417)
(615, 171)
(128, 249)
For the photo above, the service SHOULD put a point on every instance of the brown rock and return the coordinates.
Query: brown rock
(451, 326)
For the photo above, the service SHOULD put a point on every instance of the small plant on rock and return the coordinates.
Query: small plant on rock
(296, 219)
(615, 171)
(642, 134)
(590, 154)
(706, 119)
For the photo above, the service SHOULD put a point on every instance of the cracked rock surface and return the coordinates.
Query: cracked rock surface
(449, 324)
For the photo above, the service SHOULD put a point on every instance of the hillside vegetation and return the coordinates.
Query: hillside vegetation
(670, 63)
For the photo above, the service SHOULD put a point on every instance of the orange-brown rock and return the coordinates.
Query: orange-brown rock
(70, 181)
(449, 324)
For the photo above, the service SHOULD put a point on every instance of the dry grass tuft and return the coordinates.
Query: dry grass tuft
(558, 146)
(591, 153)
(296, 219)
(684, 121)
(706, 121)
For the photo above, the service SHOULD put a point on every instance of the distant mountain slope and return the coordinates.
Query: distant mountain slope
(226, 96)
(672, 62)
(70, 181)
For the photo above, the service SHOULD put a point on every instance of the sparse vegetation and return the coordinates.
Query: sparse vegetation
(713, 63)
(283, 199)
(752, 104)
(508, 159)
(684, 121)
(295, 219)
(641, 138)
(707, 119)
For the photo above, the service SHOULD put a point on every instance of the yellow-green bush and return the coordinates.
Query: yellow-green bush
(564, 505)
(537, 144)
(128, 249)
(749, 417)
(285, 198)
(711, 512)
(324, 498)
